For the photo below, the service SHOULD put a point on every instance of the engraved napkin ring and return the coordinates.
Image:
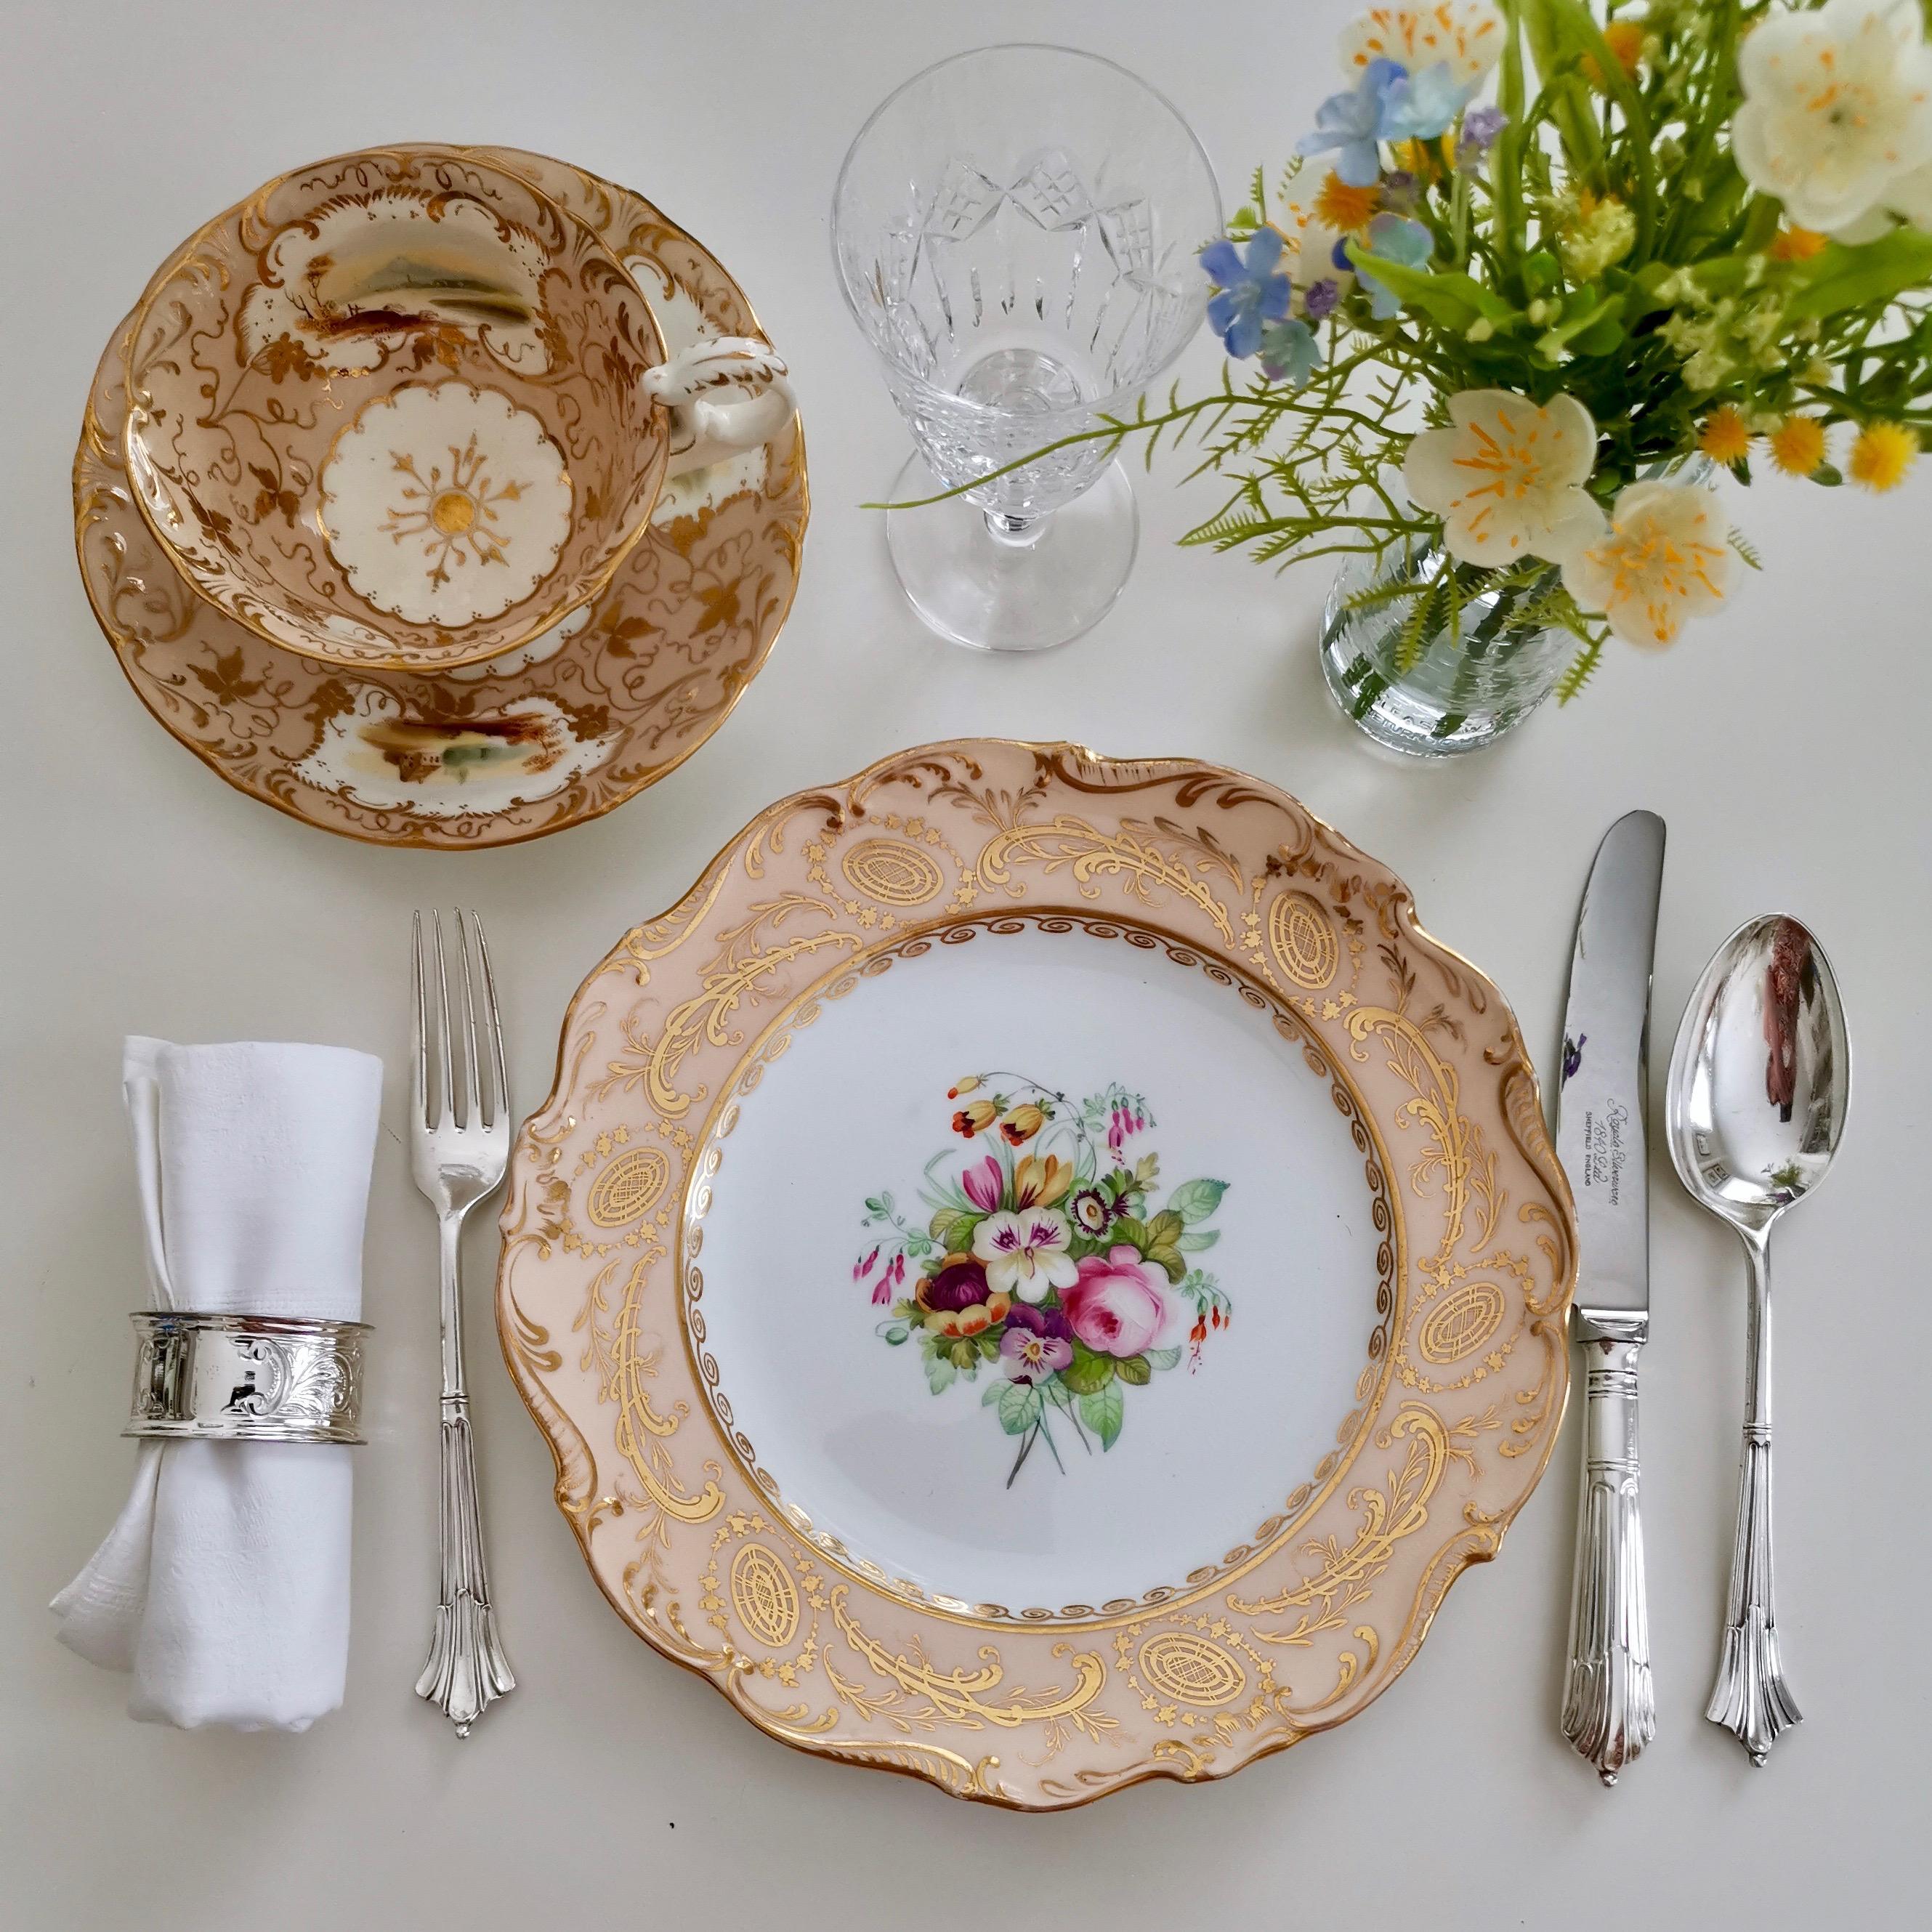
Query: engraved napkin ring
(246, 1377)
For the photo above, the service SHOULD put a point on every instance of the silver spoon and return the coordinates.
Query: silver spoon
(1759, 1082)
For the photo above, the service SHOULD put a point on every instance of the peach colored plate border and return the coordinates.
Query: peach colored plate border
(1454, 1416)
(540, 739)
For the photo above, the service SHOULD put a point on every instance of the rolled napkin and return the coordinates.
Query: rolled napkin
(223, 1586)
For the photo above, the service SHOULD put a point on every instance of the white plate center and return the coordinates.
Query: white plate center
(1172, 1435)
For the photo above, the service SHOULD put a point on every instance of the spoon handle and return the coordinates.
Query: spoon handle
(1750, 1696)
(1609, 1706)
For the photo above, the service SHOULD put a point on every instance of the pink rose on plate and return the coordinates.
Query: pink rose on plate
(1120, 1305)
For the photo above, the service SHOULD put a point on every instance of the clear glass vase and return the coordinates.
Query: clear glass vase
(1444, 687)
(1453, 685)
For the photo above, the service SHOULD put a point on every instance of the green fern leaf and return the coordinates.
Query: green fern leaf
(1581, 670)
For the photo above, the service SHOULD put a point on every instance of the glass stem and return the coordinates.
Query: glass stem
(1013, 533)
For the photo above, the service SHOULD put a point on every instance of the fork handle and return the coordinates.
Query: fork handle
(466, 1670)
(1610, 1707)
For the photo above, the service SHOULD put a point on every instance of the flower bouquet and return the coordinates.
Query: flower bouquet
(1539, 271)
(1044, 1260)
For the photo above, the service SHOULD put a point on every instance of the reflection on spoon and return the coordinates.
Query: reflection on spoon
(1759, 1083)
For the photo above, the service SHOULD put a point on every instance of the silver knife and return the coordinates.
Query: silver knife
(1610, 1710)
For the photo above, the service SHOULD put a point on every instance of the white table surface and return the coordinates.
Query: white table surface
(1784, 742)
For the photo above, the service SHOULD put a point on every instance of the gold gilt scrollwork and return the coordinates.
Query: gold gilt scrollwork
(1455, 1152)
(1398, 1509)
(628, 1362)
(746, 965)
(1134, 855)
(960, 1695)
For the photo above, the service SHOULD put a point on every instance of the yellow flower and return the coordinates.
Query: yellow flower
(1021, 1124)
(1344, 209)
(1798, 445)
(1039, 1183)
(1883, 454)
(975, 1118)
(1796, 245)
(1665, 558)
(1599, 235)
(1724, 438)
(1624, 39)
(960, 1088)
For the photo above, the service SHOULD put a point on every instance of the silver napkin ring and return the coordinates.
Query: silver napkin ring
(246, 1377)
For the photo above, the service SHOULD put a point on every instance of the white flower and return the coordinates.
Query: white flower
(1507, 478)
(1315, 261)
(1025, 1254)
(1665, 557)
(1466, 35)
(1838, 114)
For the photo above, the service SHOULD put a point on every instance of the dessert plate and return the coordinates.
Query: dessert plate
(1038, 1272)
(545, 735)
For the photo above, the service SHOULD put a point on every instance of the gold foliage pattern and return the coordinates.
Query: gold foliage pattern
(528, 743)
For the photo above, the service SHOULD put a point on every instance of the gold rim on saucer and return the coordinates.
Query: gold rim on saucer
(546, 737)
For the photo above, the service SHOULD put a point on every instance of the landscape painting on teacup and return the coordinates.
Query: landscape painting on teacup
(1045, 1261)
(390, 411)
(536, 737)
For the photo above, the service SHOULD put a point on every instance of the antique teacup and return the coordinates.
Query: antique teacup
(399, 410)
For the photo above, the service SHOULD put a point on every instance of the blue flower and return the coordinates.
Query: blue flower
(1478, 135)
(1252, 293)
(1348, 125)
(1388, 103)
(1290, 353)
(1395, 238)
(1421, 106)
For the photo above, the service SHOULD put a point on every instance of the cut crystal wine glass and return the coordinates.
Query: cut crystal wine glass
(1015, 231)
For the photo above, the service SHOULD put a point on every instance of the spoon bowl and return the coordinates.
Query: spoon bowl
(1760, 1083)
(1760, 1079)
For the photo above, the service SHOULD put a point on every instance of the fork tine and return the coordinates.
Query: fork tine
(446, 1067)
(472, 1097)
(500, 1099)
(419, 1033)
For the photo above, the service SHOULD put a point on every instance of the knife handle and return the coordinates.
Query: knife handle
(1610, 1709)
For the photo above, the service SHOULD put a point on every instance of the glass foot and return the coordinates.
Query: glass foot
(1025, 593)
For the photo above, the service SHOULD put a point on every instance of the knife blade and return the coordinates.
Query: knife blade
(1609, 1706)
(1604, 1085)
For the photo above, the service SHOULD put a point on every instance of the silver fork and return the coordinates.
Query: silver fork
(459, 1143)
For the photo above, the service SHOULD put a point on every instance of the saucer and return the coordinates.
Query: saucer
(1038, 1273)
(551, 733)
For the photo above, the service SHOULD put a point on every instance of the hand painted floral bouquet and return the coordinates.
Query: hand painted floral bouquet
(1595, 245)
(1045, 1261)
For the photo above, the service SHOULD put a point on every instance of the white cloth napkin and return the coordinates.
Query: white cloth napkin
(224, 1584)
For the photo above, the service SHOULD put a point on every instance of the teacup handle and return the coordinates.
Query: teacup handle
(707, 425)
